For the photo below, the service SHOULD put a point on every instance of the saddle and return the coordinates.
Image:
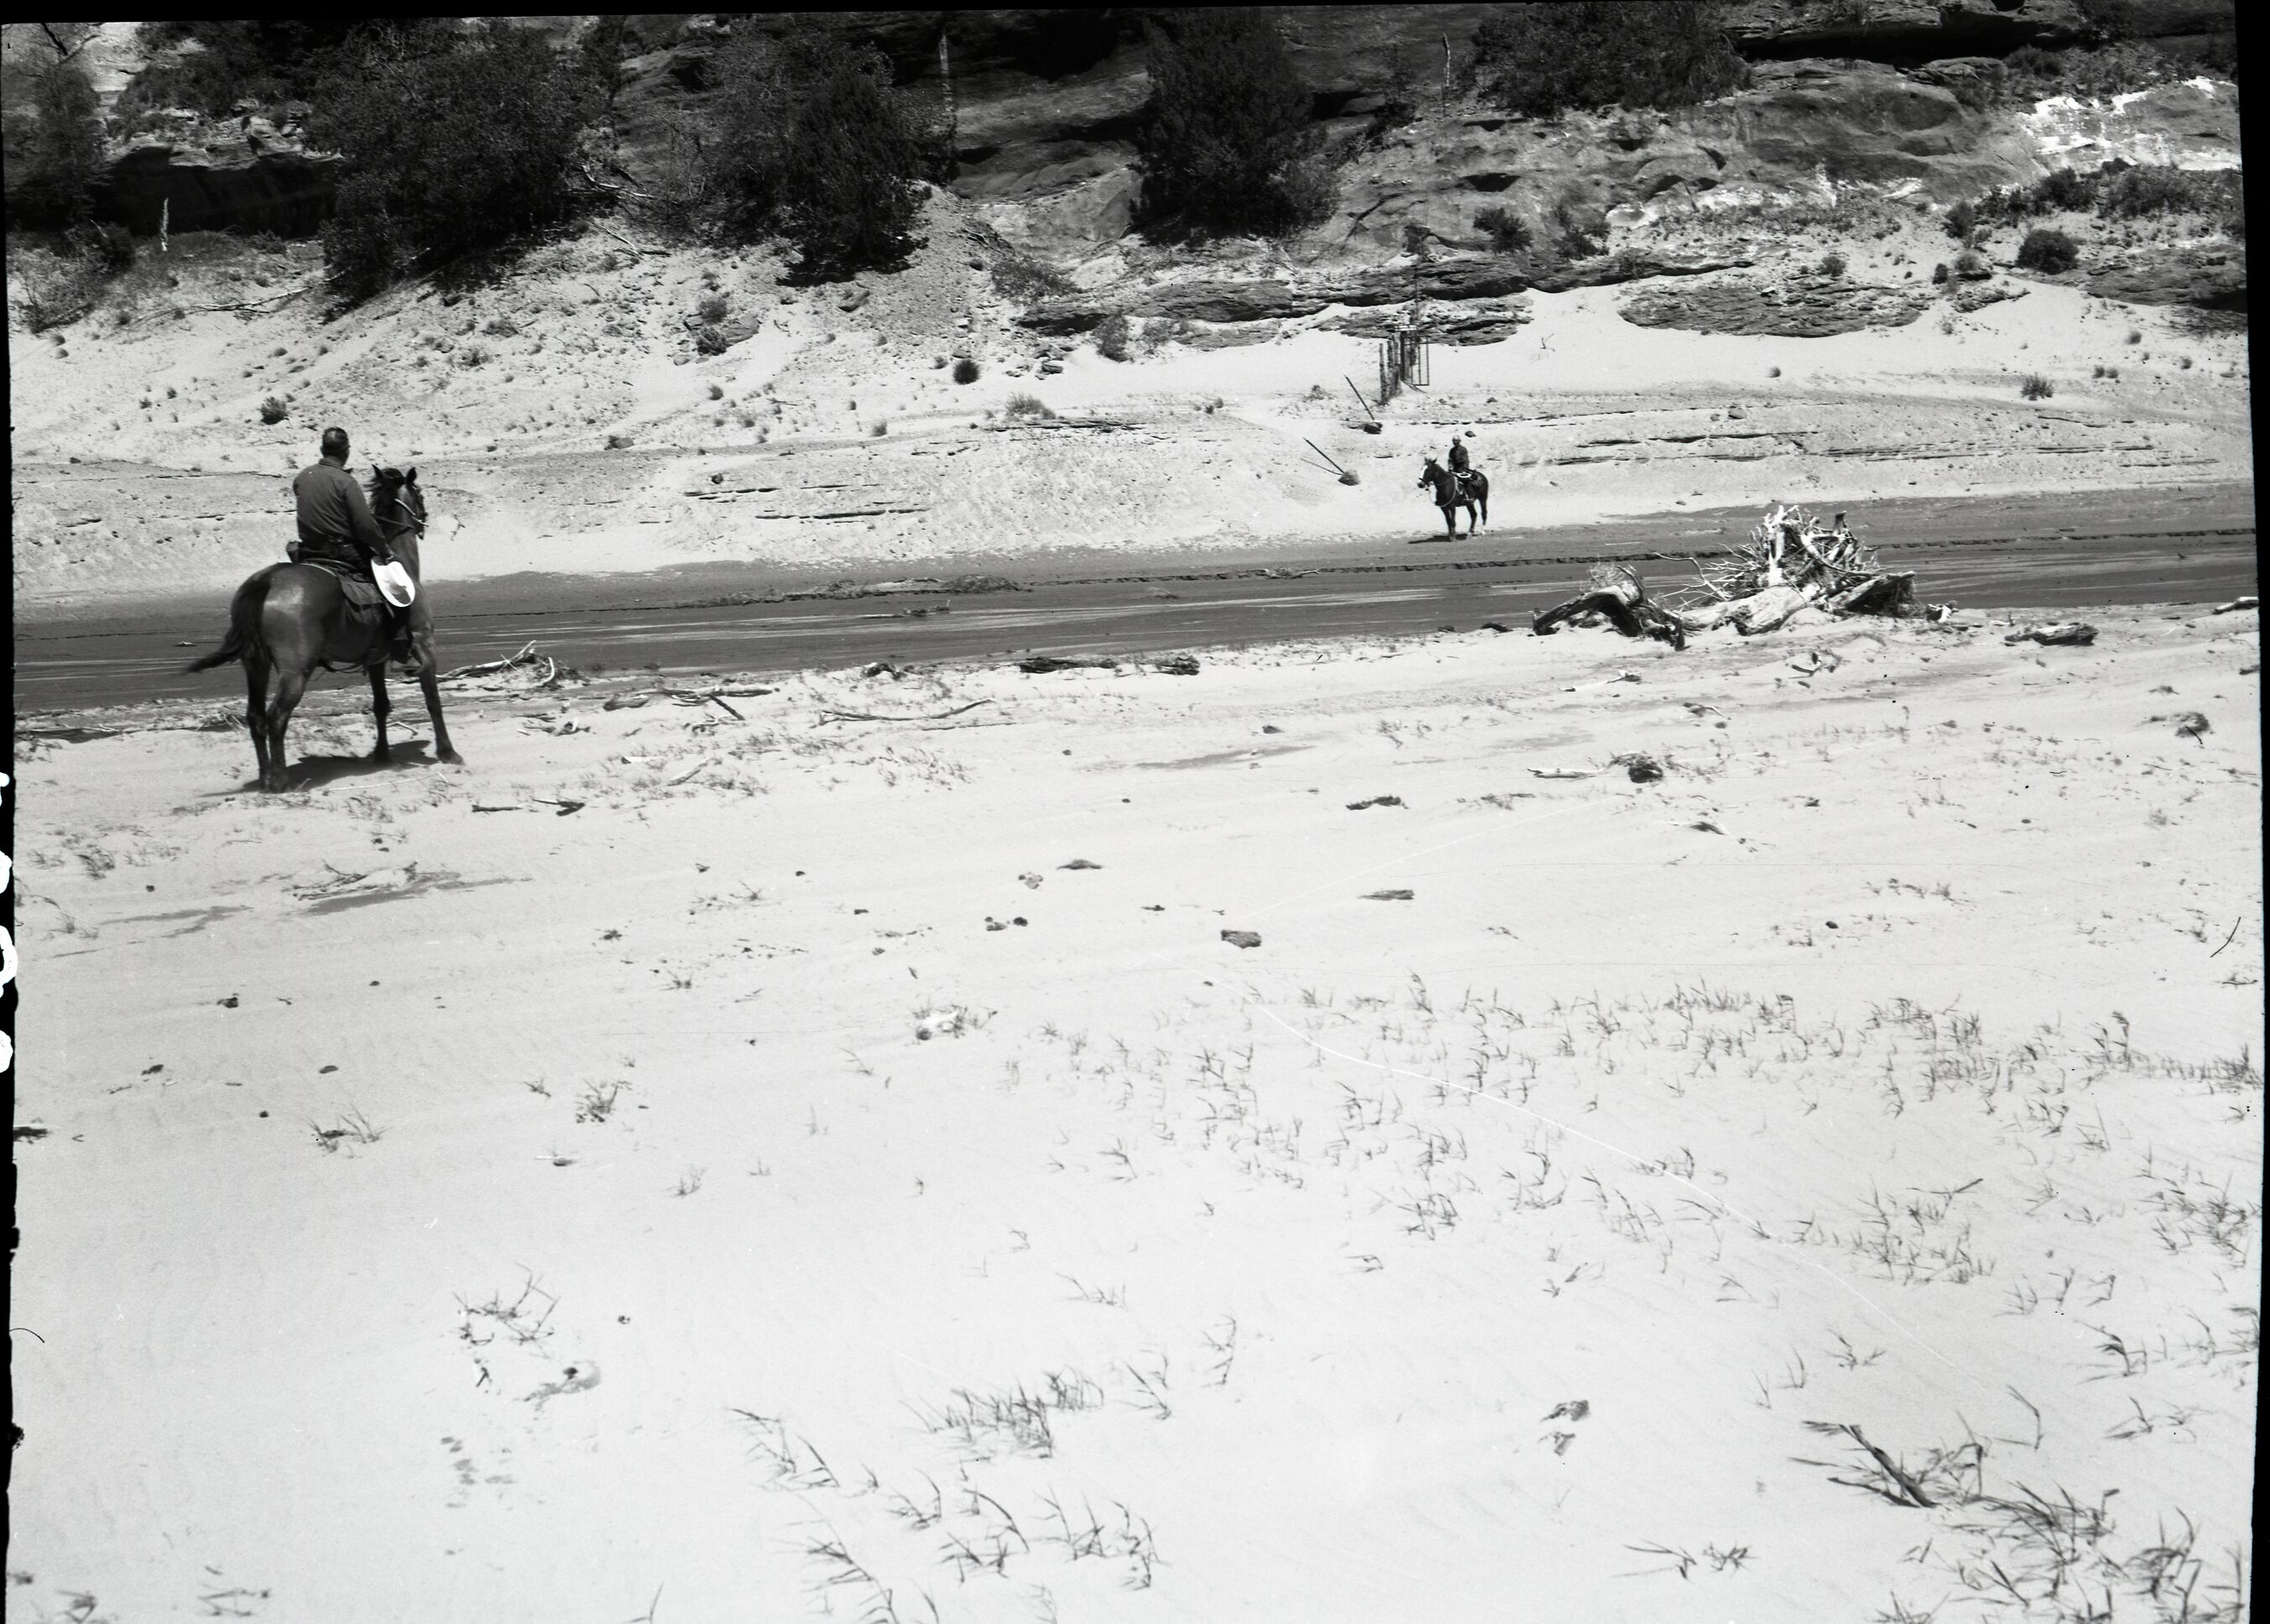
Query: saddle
(366, 606)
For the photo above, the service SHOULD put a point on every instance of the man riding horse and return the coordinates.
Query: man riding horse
(335, 526)
(1461, 467)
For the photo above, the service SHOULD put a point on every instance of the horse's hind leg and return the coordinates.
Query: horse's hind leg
(380, 705)
(256, 713)
(290, 685)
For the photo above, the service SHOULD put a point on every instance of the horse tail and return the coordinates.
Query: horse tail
(243, 625)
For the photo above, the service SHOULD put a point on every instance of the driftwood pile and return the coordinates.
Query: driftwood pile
(1614, 592)
(1792, 561)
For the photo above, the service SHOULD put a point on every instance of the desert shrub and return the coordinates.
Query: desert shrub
(273, 410)
(1971, 266)
(1939, 274)
(1832, 265)
(2062, 189)
(1579, 228)
(267, 60)
(1225, 146)
(2036, 387)
(1023, 405)
(54, 150)
(107, 249)
(1022, 279)
(502, 327)
(964, 371)
(450, 150)
(2103, 71)
(48, 289)
(1509, 232)
(709, 339)
(2159, 190)
(2049, 251)
(1398, 105)
(1543, 60)
(1111, 338)
(713, 308)
(2103, 371)
(1961, 220)
(811, 141)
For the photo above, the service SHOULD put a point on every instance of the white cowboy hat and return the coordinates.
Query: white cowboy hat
(394, 584)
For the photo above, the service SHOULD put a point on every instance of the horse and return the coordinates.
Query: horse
(289, 618)
(1452, 492)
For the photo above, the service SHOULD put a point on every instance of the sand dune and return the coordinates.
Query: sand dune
(692, 1165)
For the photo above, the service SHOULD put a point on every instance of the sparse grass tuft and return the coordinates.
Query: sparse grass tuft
(353, 1127)
(597, 1103)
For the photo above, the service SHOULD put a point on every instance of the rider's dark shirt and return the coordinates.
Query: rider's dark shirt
(334, 520)
(1457, 456)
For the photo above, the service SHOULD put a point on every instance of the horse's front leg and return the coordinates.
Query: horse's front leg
(379, 707)
(421, 646)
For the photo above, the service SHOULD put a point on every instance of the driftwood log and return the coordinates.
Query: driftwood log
(1615, 591)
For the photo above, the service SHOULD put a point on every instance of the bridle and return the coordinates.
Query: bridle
(412, 519)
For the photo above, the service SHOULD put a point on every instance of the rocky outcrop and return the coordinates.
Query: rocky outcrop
(1911, 31)
(1454, 283)
(1044, 102)
(2207, 278)
(1807, 307)
(238, 174)
(1043, 105)
(1900, 31)
(1863, 124)
(1481, 321)
(2190, 125)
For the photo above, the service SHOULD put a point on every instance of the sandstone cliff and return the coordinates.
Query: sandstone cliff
(1044, 104)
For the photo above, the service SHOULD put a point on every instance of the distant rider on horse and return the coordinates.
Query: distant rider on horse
(1460, 466)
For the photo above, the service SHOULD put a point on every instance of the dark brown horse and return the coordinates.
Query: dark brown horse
(1453, 491)
(290, 618)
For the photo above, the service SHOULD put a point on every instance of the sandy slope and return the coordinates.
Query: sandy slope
(1884, 1063)
(563, 419)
